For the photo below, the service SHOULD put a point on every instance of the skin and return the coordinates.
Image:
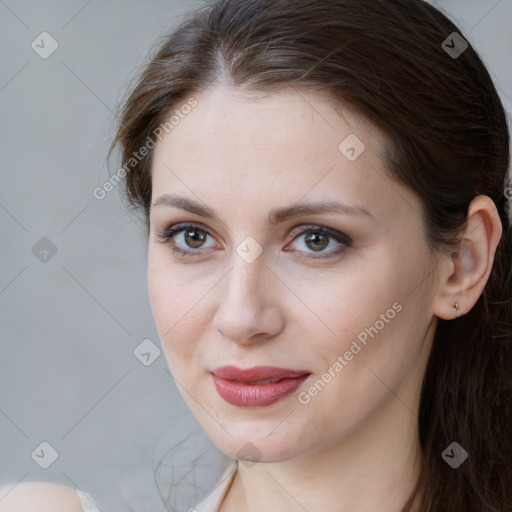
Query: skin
(38, 497)
(354, 447)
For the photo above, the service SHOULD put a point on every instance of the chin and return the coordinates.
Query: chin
(253, 444)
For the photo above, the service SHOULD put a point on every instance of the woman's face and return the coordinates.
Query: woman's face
(349, 309)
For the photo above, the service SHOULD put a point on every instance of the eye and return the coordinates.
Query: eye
(317, 238)
(188, 240)
(186, 235)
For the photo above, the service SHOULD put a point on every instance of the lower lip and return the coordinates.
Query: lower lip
(256, 395)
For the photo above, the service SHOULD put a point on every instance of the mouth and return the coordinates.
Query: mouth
(257, 382)
(259, 386)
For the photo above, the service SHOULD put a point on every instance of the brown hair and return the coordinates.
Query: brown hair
(447, 139)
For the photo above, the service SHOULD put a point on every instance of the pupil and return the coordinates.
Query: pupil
(314, 237)
(198, 238)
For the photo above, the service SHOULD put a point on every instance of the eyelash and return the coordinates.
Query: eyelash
(166, 237)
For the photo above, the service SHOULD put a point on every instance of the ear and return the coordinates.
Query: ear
(468, 269)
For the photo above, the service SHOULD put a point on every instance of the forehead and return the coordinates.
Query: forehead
(229, 122)
(280, 146)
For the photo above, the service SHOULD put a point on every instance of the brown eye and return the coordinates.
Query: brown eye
(184, 239)
(194, 238)
(318, 238)
(316, 241)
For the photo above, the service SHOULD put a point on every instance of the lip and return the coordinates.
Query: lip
(233, 384)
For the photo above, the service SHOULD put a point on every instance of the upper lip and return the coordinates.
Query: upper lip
(256, 373)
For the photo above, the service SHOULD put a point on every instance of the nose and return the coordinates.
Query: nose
(248, 312)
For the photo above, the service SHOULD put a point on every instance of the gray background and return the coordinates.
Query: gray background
(69, 325)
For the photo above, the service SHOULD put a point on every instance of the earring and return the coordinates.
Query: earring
(456, 306)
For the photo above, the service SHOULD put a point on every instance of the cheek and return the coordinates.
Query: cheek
(371, 317)
(350, 300)
(168, 303)
(178, 301)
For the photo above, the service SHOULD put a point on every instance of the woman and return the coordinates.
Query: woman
(329, 266)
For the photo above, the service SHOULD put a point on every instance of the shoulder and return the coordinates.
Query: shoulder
(39, 497)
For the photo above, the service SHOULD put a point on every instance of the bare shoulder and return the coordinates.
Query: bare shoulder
(39, 497)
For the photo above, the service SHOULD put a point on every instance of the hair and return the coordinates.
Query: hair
(447, 139)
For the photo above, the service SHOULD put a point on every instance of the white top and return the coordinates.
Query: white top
(212, 502)
(209, 504)
(87, 502)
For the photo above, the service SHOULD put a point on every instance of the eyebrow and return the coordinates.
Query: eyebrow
(275, 216)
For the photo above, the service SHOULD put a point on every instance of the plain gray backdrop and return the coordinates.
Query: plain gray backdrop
(73, 293)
